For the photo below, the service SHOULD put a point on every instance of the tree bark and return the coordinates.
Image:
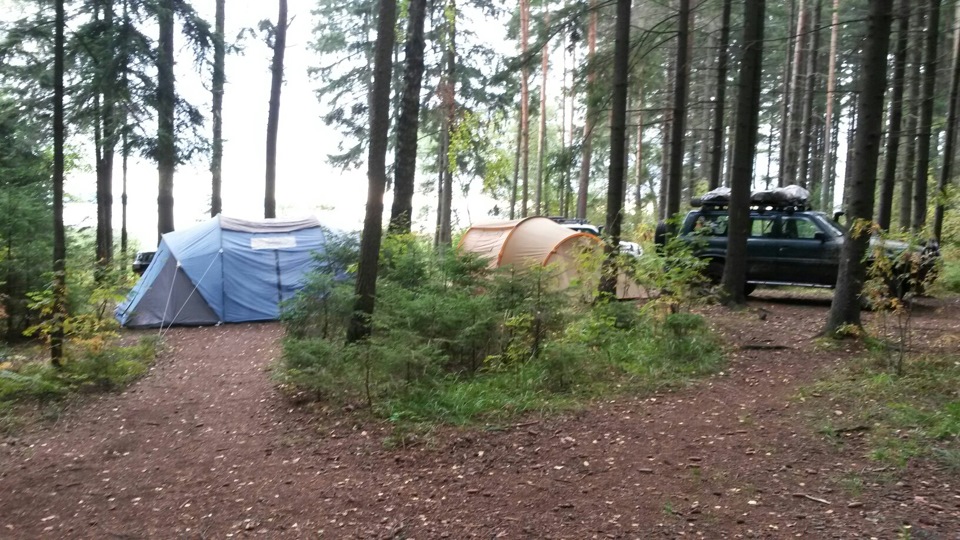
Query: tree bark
(273, 115)
(638, 203)
(516, 171)
(680, 93)
(106, 151)
(618, 135)
(845, 308)
(524, 106)
(926, 117)
(829, 164)
(796, 88)
(716, 157)
(219, 80)
(785, 92)
(807, 131)
(913, 119)
(951, 128)
(744, 153)
(448, 98)
(366, 288)
(885, 204)
(123, 198)
(59, 312)
(542, 206)
(408, 123)
(665, 131)
(589, 116)
(166, 102)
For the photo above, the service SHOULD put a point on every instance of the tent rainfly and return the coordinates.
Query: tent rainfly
(224, 270)
(538, 241)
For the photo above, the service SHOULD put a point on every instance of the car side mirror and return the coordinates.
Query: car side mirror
(822, 237)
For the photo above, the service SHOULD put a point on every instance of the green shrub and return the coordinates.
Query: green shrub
(949, 278)
(108, 368)
(456, 342)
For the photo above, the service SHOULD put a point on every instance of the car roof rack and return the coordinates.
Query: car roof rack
(791, 198)
(572, 221)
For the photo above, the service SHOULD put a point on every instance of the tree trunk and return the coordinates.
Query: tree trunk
(59, 312)
(273, 116)
(951, 128)
(123, 198)
(806, 133)
(796, 89)
(525, 106)
(589, 116)
(665, 130)
(926, 117)
(845, 308)
(785, 91)
(851, 134)
(166, 101)
(105, 157)
(366, 289)
(516, 171)
(219, 79)
(618, 135)
(542, 207)
(885, 205)
(829, 165)
(913, 119)
(566, 129)
(408, 123)
(638, 204)
(716, 157)
(744, 154)
(680, 92)
(448, 98)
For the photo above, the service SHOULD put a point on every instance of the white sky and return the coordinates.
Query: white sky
(306, 185)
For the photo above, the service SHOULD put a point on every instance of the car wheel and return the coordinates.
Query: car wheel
(714, 271)
(748, 288)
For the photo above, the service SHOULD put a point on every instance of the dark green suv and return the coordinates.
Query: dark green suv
(788, 244)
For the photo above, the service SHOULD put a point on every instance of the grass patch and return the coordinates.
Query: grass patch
(915, 415)
(411, 381)
(26, 381)
(948, 280)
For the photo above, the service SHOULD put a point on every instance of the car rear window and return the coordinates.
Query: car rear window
(761, 227)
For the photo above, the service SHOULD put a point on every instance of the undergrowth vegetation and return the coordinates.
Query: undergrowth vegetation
(456, 342)
(94, 360)
(912, 415)
(32, 380)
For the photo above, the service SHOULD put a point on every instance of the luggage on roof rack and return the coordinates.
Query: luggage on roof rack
(791, 196)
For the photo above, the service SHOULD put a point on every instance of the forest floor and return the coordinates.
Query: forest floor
(206, 447)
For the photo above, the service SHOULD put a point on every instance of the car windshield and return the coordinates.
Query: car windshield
(833, 225)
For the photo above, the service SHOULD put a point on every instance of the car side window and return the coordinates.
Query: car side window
(710, 225)
(799, 228)
(761, 227)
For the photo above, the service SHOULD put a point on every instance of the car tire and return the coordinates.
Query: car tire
(714, 271)
(660, 236)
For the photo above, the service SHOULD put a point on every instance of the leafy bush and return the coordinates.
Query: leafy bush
(456, 342)
(108, 368)
(323, 307)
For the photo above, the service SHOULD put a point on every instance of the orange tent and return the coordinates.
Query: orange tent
(539, 241)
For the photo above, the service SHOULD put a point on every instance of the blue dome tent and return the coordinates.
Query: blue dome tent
(224, 270)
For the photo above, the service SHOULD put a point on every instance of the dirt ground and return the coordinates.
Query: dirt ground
(205, 447)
